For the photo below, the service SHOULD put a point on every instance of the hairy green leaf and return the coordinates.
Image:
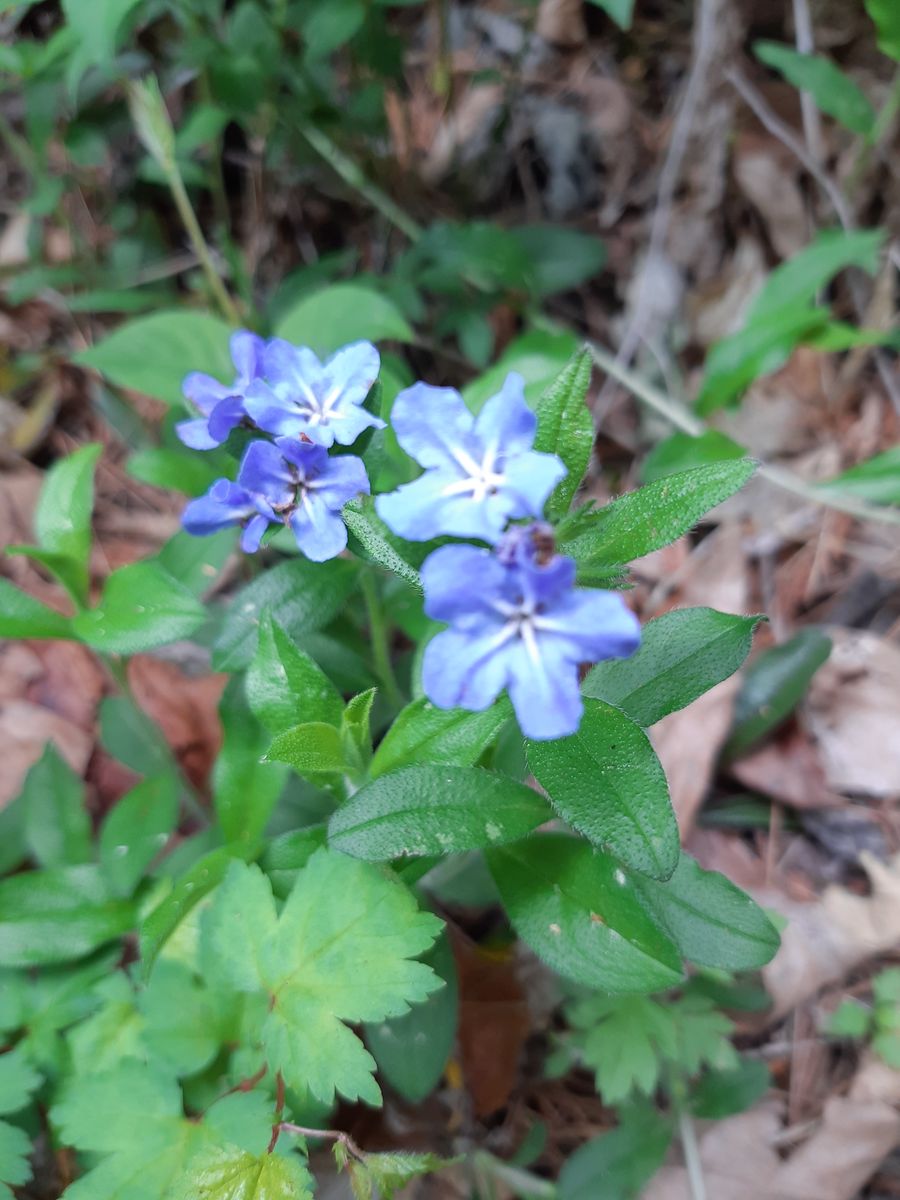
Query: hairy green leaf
(566, 428)
(422, 733)
(229, 1173)
(284, 684)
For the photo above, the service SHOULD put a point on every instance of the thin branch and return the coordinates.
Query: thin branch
(805, 43)
(685, 421)
(325, 1135)
(692, 1161)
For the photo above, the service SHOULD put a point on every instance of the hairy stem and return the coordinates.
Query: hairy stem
(378, 636)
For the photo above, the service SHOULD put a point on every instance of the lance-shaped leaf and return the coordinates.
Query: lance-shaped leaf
(566, 427)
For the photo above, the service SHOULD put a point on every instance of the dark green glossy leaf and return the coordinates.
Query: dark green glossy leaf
(712, 922)
(141, 607)
(284, 684)
(424, 810)
(607, 782)
(682, 655)
(577, 911)
(774, 685)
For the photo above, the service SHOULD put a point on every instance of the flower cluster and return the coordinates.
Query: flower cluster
(308, 405)
(515, 619)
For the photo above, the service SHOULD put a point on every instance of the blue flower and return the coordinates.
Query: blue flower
(479, 471)
(517, 621)
(222, 406)
(301, 395)
(295, 483)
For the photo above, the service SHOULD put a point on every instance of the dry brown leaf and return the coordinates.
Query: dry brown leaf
(853, 710)
(824, 940)
(561, 22)
(25, 730)
(461, 135)
(770, 179)
(789, 770)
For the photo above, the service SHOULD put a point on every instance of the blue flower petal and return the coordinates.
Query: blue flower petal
(294, 371)
(227, 415)
(431, 423)
(225, 504)
(309, 459)
(348, 424)
(252, 533)
(506, 421)
(320, 533)
(462, 671)
(344, 479)
(589, 625)
(351, 372)
(204, 392)
(246, 354)
(461, 580)
(422, 510)
(530, 477)
(195, 434)
(265, 408)
(264, 472)
(543, 688)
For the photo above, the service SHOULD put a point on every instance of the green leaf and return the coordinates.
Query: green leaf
(141, 607)
(723, 1093)
(682, 655)
(283, 683)
(412, 1050)
(618, 1164)
(342, 313)
(57, 915)
(129, 735)
(712, 922)
(310, 749)
(301, 596)
(606, 782)
(182, 1020)
(65, 569)
(834, 92)
(341, 951)
(18, 1079)
(423, 810)
(153, 354)
(798, 281)
(381, 1175)
(621, 12)
(229, 1173)
(96, 35)
(764, 345)
(15, 1149)
(683, 452)
(56, 824)
(887, 22)
(886, 986)
(559, 258)
(421, 733)
(136, 830)
(21, 616)
(577, 911)
(196, 883)
(62, 519)
(246, 787)
(876, 480)
(176, 471)
(566, 428)
(655, 515)
(774, 684)
(372, 540)
(356, 729)
(851, 1019)
(629, 1046)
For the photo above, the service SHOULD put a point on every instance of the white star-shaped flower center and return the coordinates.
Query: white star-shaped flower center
(480, 478)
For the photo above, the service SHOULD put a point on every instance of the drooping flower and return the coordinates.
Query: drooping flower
(479, 471)
(517, 621)
(323, 401)
(222, 405)
(294, 483)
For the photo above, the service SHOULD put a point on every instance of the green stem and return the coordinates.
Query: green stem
(352, 175)
(201, 248)
(688, 1135)
(884, 123)
(523, 1183)
(685, 421)
(378, 635)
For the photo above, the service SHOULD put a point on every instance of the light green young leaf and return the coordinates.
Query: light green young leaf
(135, 831)
(422, 810)
(606, 782)
(246, 786)
(798, 281)
(141, 607)
(341, 313)
(382, 1175)
(577, 911)
(18, 1079)
(341, 951)
(628, 1047)
(229, 1173)
(15, 1169)
(654, 515)
(682, 655)
(56, 824)
(876, 480)
(421, 733)
(301, 596)
(683, 452)
(851, 1019)
(833, 91)
(886, 16)
(620, 10)
(310, 749)
(153, 354)
(712, 922)
(21, 616)
(182, 1020)
(152, 122)
(284, 684)
(96, 35)
(566, 428)
(62, 519)
(356, 729)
